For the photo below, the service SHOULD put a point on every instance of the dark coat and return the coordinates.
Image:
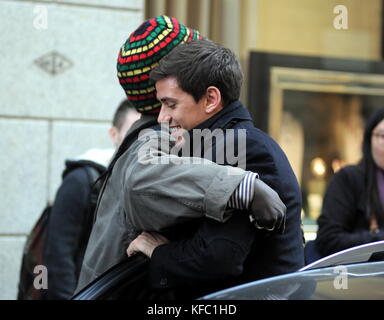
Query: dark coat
(343, 222)
(222, 255)
(69, 226)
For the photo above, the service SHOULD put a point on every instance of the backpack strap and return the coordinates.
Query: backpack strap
(95, 183)
(93, 174)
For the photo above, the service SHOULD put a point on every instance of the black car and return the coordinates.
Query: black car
(355, 273)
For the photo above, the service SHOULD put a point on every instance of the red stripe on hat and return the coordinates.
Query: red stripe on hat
(133, 38)
(120, 59)
(153, 22)
(190, 35)
(142, 77)
(141, 97)
(175, 23)
(145, 34)
(123, 60)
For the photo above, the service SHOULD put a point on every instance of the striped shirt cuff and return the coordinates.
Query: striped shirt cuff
(242, 197)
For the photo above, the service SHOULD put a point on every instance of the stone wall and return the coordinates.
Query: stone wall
(58, 92)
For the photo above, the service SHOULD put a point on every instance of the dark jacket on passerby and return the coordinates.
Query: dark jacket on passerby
(210, 256)
(343, 222)
(69, 226)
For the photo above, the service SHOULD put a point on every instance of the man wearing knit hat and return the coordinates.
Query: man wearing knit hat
(138, 196)
(198, 84)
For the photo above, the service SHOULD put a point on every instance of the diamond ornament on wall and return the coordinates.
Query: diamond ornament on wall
(54, 63)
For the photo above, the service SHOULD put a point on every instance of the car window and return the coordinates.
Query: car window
(373, 251)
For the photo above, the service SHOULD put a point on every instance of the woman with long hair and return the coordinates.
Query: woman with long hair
(352, 212)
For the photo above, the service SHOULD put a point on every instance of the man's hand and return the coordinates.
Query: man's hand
(268, 211)
(146, 242)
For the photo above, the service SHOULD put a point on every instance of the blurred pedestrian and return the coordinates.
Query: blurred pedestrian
(353, 207)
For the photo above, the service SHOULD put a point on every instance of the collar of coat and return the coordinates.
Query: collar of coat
(234, 111)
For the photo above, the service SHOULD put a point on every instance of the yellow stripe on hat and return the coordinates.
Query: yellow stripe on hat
(141, 91)
(149, 108)
(133, 51)
(138, 71)
(125, 53)
(187, 34)
(168, 21)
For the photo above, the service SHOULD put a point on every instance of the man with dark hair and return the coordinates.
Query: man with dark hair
(139, 195)
(198, 85)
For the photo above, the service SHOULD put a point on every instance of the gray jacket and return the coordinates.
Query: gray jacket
(163, 191)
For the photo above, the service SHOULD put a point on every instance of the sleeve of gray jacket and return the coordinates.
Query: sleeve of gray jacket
(162, 189)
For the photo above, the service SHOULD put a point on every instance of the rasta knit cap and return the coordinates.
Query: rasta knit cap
(142, 51)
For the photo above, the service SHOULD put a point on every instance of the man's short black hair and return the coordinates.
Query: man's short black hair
(199, 64)
(119, 117)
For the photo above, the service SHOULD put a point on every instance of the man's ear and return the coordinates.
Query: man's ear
(113, 133)
(214, 102)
